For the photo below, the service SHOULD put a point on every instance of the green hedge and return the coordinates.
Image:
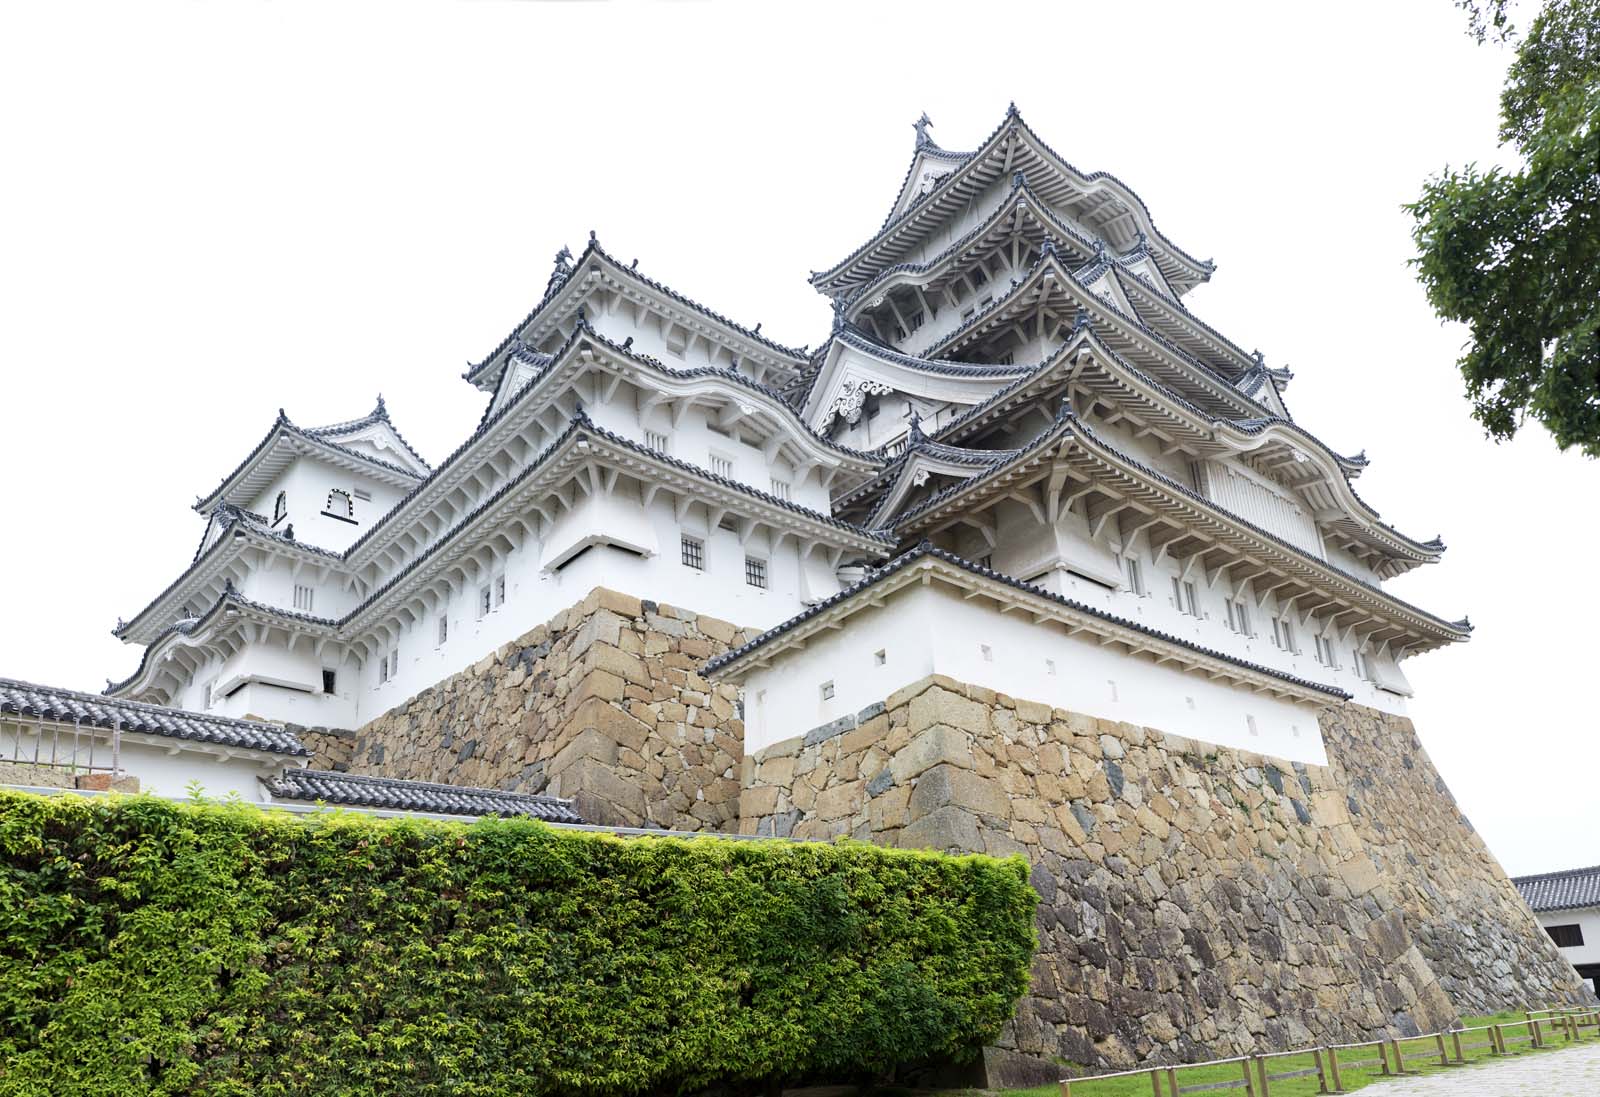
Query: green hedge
(148, 947)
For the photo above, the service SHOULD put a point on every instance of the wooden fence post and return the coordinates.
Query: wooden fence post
(1155, 1080)
(1333, 1069)
(1455, 1038)
(1249, 1086)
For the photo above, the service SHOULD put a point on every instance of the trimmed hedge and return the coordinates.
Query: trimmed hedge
(148, 947)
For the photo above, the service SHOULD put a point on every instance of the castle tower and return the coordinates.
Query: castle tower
(1023, 558)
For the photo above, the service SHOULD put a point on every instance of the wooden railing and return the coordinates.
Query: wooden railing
(1391, 1056)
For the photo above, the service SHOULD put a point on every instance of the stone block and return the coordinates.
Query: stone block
(602, 796)
(623, 605)
(605, 656)
(942, 706)
(930, 747)
(589, 744)
(945, 785)
(948, 829)
(720, 631)
(762, 800)
(610, 721)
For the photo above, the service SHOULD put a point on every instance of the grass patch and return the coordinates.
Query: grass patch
(1421, 1056)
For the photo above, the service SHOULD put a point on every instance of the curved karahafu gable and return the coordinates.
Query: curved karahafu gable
(572, 286)
(1105, 205)
(854, 367)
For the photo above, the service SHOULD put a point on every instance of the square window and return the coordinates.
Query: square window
(694, 553)
(880, 657)
(755, 572)
(827, 690)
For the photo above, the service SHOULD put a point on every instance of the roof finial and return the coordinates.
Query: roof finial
(1047, 248)
(627, 344)
(381, 409)
(757, 329)
(1099, 248)
(1261, 359)
(563, 258)
(921, 126)
(1018, 180)
(592, 241)
(1080, 319)
(1142, 241)
(915, 435)
(838, 314)
(1012, 111)
(635, 264)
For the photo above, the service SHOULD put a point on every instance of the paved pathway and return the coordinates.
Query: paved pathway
(1570, 1072)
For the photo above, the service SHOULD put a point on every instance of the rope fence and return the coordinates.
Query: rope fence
(1388, 1057)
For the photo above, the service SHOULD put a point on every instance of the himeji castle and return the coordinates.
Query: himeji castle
(1017, 458)
(1023, 557)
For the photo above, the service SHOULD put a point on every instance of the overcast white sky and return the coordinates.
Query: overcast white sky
(209, 211)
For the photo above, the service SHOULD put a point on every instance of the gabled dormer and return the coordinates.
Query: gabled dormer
(322, 485)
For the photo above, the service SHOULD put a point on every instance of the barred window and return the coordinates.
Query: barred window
(500, 590)
(303, 597)
(722, 465)
(755, 572)
(444, 627)
(657, 440)
(780, 488)
(694, 553)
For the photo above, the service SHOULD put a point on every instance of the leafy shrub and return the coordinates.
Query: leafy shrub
(148, 947)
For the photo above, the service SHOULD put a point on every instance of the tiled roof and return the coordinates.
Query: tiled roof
(1013, 118)
(594, 248)
(322, 786)
(65, 706)
(1566, 890)
(926, 549)
(379, 414)
(282, 423)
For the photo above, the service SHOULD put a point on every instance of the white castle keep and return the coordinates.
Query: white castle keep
(1017, 459)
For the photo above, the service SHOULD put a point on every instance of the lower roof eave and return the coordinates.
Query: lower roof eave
(926, 563)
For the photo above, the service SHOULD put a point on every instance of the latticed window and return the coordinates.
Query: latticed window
(340, 505)
(755, 572)
(657, 440)
(780, 488)
(722, 466)
(694, 553)
(303, 597)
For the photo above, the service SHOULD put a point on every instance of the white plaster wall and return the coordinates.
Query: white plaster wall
(1588, 920)
(164, 766)
(925, 630)
(307, 482)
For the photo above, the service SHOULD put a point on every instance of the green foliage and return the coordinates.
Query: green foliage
(148, 947)
(1515, 255)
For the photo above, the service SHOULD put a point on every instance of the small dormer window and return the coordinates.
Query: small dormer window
(340, 506)
(280, 508)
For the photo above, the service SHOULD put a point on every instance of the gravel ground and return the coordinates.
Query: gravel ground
(1570, 1072)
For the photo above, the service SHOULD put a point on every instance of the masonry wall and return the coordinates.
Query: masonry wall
(1196, 900)
(1468, 918)
(604, 704)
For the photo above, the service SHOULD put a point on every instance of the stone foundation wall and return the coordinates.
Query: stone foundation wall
(1196, 901)
(604, 704)
(1476, 931)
